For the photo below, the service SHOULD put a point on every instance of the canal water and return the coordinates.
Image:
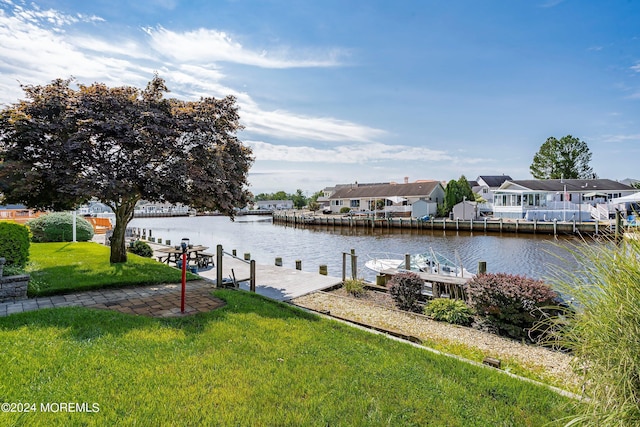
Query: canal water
(534, 256)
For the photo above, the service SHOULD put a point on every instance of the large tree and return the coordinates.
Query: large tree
(455, 192)
(568, 157)
(62, 146)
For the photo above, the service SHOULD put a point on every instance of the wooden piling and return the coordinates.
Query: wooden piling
(482, 267)
(323, 270)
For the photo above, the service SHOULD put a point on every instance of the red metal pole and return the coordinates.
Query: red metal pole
(184, 280)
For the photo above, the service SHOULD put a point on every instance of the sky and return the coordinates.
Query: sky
(341, 91)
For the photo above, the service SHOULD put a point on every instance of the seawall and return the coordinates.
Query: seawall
(481, 225)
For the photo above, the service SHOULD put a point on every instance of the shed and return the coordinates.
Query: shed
(421, 208)
(466, 210)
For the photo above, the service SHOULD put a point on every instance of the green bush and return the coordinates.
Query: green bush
(450, 311)
(354, 287)
(141, 248)
(405, 290)
(58, 227)
(512, 304)
(14, 244)
(345, 210)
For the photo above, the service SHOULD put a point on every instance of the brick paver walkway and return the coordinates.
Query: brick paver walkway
(153, 301)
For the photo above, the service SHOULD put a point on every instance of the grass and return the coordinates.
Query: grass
(58, 268)
(253, 362)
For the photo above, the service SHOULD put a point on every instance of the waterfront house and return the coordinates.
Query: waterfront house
(274, 205)
(390, 198)
(485, 186)
(561, 199)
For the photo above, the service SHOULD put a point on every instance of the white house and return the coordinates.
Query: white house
(561, 199)
(274, 205)
(486, 185)
(392, 197)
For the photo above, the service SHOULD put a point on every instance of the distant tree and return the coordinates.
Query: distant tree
(60, 147)
(316, 196)
(280, 195)
(314, 206)
(455, 192)
(567, 158)
(299, 199)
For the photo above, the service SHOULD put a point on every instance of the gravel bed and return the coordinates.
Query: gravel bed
(374, 310)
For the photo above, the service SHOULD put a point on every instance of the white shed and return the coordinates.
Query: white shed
(465, 210)
(421, 208)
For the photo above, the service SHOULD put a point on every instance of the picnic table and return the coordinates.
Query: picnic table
(195, 254)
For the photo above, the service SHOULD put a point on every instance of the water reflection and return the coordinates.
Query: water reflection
(531, 255)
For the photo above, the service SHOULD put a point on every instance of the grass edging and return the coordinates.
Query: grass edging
(418, 343)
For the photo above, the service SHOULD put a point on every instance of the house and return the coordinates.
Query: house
(485, 186)
(390, 198)
(274, 205)
(561, 199)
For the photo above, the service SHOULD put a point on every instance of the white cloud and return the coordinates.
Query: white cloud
(34, 49)
(347, 154)
(620, 138)
(203, 45)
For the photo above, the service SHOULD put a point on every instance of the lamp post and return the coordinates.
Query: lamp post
(184, 245)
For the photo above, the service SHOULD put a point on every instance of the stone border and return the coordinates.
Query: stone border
(14, 288)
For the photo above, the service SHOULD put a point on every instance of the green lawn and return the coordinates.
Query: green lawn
(57, 268)
(253, 362)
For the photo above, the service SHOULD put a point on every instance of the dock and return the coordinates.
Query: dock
(484, 225)
(271, 281)
(438, 285)
(279, 283)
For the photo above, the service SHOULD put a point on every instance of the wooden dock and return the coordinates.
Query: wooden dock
(279, 283)
(484, 225)
(438, 285)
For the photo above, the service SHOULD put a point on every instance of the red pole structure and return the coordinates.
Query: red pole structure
(184, 280)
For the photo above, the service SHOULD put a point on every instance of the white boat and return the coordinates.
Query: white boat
(430, 262)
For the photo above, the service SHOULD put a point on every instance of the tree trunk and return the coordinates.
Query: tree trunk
(124, 214)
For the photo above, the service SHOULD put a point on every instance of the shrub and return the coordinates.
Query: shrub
(141, 248)
(512, 304)
(345, 210)
(354, 287)
(405, 290)
(450, 311)
(58, 227)
(14, 244)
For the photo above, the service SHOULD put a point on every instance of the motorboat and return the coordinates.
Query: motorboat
(429, 262)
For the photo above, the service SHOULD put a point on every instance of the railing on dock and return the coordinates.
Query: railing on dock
(252, 269)
(442, 286)
(480, 225)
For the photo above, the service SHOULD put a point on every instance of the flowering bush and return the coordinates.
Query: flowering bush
(58, 227)
(511, 304)
(405, 289)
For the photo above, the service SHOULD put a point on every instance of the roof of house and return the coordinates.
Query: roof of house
(571, 185)
(413, 189)
(494, 180)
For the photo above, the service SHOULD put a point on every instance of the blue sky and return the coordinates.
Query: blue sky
(337, 91)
